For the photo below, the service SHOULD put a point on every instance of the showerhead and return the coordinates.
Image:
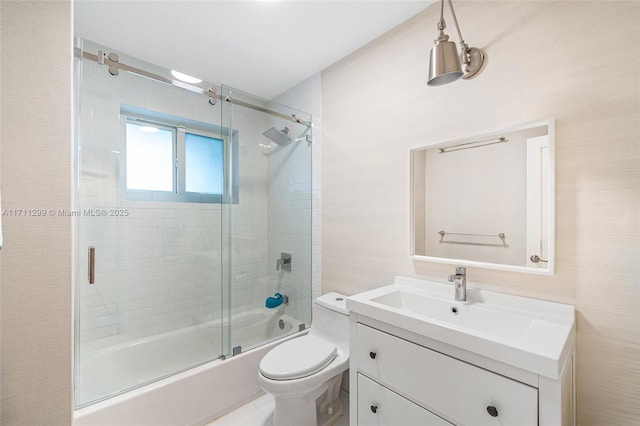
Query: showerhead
(278, 136)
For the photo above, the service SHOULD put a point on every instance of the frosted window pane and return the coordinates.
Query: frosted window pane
(149, 158)
(203, 164)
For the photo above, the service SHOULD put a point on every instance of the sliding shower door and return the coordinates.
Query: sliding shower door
(150, 191)
(269, 220)
(192, 223)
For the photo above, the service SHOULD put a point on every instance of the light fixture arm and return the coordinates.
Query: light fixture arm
(442, 25)
(464, 47)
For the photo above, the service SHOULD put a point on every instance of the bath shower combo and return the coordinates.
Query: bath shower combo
(175, 303)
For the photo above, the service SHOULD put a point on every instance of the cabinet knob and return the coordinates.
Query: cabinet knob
(493, 411)
(372, 355)
(374, 409)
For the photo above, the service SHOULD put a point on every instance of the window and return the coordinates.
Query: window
(202, 159)
(171, 159)
(150, 157)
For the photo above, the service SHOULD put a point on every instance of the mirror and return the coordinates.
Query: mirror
(486, 201)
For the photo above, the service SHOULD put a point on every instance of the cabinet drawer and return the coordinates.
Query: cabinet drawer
(378, 406)
(458, 391)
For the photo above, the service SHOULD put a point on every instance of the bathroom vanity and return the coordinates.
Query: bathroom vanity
(419, 357)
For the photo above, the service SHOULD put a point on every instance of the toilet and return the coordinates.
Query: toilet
(304, 374)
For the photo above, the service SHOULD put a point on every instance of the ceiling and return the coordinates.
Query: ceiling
(261, 47)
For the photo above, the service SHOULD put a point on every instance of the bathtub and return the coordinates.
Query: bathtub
(191, 397)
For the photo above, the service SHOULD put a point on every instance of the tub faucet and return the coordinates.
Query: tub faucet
(459, 281)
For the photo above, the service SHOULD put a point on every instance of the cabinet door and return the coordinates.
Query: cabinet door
(455, 390)
(378, 406)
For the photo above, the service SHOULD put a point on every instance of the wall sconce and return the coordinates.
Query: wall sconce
(444, 61)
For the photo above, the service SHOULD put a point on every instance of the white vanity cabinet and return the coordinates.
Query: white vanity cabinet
(405, 372)
(458, 391)
(398, 382)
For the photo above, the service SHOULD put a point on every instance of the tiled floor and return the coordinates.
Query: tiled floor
(259, 412)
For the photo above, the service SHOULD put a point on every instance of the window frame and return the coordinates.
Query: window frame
(180, 127)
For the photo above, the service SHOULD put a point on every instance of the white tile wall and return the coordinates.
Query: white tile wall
(290, 224)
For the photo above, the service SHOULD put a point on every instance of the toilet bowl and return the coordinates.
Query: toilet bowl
(304, 374)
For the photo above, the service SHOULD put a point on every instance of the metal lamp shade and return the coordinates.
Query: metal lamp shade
(444, 64)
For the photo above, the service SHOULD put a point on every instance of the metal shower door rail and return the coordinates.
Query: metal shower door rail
(112, 60)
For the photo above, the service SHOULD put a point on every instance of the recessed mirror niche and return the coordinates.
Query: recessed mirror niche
(486, 201)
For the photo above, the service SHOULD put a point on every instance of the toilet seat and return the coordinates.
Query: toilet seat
(297, 358)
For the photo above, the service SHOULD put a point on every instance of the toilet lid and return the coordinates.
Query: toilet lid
(297, 358)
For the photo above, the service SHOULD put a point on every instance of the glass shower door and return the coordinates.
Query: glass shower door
(268, 220)
(193, 223)
(150, 177)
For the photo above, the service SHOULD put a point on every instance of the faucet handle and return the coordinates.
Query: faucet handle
(284, 262)
(451, 278)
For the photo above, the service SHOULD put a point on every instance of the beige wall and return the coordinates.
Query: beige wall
(35, 262)
(577, 62)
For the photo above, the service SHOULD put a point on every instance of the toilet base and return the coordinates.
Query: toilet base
(326, 419)
(295, 413)
(318, 408)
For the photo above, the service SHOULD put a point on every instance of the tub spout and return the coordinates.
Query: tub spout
(277, 300)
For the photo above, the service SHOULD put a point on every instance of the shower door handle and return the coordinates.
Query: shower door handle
(92, 265)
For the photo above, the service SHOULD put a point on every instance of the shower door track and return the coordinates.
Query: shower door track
(111, 59)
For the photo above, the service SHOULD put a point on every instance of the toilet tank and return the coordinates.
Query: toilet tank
(330, 319)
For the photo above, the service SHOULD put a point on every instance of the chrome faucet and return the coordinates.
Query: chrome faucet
(459, 281)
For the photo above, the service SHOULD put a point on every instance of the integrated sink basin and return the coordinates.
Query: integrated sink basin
(531, 334)
(475, 318)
